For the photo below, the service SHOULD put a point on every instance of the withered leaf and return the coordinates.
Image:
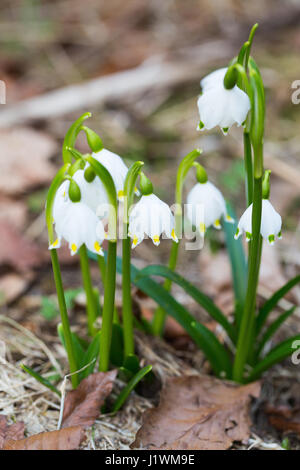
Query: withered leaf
(16, 251)
(82, 406)
(284, 418)
(7, 432)
(25, 159)
(64, 439)
(198, 413)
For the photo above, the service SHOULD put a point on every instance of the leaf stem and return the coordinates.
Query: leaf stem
(108, 306)
(248, 319)
(88, 287)
(64, 317)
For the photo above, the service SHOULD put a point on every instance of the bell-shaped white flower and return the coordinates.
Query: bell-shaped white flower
(270, 227)
(116, 167)
(151, 217)
(206, 206)
(219, 106)
(76, 223)
(93, 193)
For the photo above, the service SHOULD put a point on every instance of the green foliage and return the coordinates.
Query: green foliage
(49, 307)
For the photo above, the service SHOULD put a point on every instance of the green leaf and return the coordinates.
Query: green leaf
(214, 350)
(77, 347)
(174, 309)
(238, 265)
(273, 301)
(117, 346)
(91, 355)
(40, 379)
(190, 289)
(71, 136)
(49, 308)
(132, 363)
(277, 354)
(129, 387)
(273, 328)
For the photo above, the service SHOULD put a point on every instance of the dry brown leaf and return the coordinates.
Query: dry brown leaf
(64, 439)
(13, 212)
(7, 432)
(198, 413)
(24, 162)
(82, 406)
(284, 418)
(12, 285)
(16, 251)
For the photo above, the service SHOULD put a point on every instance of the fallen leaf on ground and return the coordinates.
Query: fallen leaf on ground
(198, 413)
(64, 439)
(82, 405)
(7, 432)
(12, 285)
(16, 251)
(24, 162)
(13, 212)
(284, 418)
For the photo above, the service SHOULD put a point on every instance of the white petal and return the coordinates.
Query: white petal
(205, 205)
(92, 194)
(213, 79)
(116, 167)
(271, 221)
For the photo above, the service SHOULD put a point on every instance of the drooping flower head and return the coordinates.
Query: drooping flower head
(270, 228)
(150, 216)
(219, 106)
(205, 204)
(76, 223)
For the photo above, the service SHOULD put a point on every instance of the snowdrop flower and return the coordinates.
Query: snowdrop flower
(270, 228)
(76, 223)
(219, 106)
(206, 206)
(152, 217)
(93, 193)
(116, 167)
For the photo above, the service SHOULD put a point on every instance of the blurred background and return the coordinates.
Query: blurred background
(136, 66)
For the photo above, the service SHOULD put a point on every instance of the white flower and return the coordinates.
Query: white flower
(76, 223)
(152, 217)
(270, 228)
(93, 194)
(206, 206)
(219, 106)
(116, 167)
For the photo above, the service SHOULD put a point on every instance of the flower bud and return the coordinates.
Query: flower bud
(93, 139)
(146, 186)
(201, 174)
(89, 174)
(74, 191)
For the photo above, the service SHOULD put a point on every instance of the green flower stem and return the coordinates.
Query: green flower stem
(160, 314)
(108, 306)
(126, 295)
(102, 269)
(248, 319)
(110, 273)
(248, 168)
(64, 318)
(127, 314)
(185, 165)
(88, 287)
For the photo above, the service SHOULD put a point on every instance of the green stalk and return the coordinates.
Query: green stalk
(126, 295)
(127, 314)
(185, 165)
(64, 317)
(88, 287)
(248, 319)
(248, 168)
(108, 306)
(102, 269)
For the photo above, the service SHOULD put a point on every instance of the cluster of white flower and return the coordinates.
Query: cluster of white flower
(83, 223)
